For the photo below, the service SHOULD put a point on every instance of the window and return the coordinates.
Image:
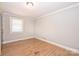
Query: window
(16, 24)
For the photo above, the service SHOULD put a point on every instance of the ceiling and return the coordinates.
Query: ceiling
(39, 8)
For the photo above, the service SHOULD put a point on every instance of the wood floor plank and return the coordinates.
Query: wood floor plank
(34, 47)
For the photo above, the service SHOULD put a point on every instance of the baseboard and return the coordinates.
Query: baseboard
(62, 46)
(44, 39)
(28, 37)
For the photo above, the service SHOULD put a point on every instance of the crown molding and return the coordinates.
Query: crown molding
(59, 10)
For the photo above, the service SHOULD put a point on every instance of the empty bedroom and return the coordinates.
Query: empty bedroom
(39, 28)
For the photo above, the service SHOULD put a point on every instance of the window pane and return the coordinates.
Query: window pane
(16, 25)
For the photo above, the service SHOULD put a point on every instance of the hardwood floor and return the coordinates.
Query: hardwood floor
(34, 47)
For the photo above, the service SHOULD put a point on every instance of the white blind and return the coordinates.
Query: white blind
(16, 25)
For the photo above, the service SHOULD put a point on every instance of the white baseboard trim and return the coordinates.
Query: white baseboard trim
(28, 37)
(62, 46)
(44, 39)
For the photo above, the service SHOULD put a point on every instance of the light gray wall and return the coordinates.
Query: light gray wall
(0, 34)
(62, 27)
(0, 30)
(27, 27)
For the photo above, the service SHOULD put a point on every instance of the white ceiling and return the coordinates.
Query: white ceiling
(39, 8)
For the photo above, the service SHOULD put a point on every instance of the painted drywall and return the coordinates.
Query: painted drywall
(0, 34)
(27, 28)
(62, 27)
(0, 29)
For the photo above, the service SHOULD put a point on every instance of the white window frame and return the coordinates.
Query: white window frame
(11, 25)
